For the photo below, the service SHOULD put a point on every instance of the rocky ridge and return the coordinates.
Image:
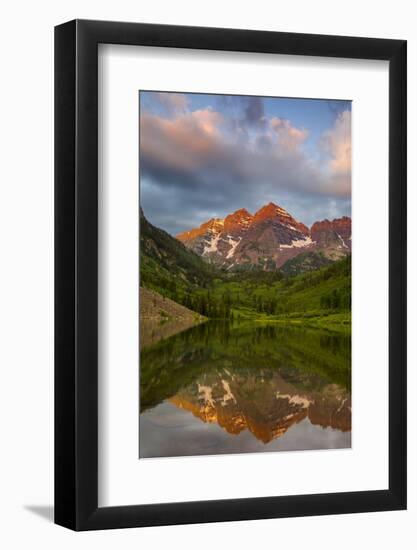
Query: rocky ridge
(267, 239)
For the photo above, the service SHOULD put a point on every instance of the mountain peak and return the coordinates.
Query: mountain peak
(213, 225)
(240, 219)
(344, 221)
(241, 212)
(267, 239)
(271, 210)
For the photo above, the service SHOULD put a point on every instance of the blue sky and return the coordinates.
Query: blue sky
(204, 156)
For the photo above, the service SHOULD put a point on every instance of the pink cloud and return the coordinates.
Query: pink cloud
(186, 141)
(289, 137)
(337, 142)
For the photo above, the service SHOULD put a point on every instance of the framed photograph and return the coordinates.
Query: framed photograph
(230, 253)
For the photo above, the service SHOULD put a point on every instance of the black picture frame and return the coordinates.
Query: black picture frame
(76, 272)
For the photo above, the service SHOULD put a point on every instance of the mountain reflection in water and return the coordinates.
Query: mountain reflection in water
(228, 388)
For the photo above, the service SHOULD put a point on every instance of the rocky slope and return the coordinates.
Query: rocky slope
(267, 239)
(161, 317)
(217, 239)
(334, 237)
(158, 308)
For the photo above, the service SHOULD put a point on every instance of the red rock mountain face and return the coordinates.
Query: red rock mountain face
(266, 239)
(338, 231)
(273, 213)
(238, 221)
(225, 402)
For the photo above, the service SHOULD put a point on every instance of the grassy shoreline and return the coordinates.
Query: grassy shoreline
(336, 321)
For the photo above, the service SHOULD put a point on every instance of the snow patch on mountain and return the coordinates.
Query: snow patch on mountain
(233, 243)
(295, 399)
(298, 243)
(344, 245)
(228, 396)
(282, 212)
(213, 245)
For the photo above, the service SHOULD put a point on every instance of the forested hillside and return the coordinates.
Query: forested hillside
(167, 266)
(324, 291)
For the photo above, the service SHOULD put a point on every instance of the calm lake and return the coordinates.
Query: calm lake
(223, 387)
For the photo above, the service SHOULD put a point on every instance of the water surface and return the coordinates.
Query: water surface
(223, 387)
